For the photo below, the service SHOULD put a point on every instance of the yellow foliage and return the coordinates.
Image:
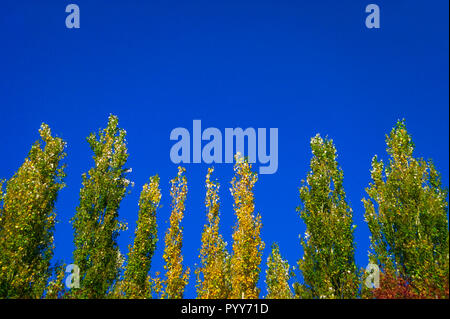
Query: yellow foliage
(213, 280)
(176, 278)
(247, 243)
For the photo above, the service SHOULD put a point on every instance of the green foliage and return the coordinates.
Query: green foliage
(277, 276)
(95, 223)
(406, 212)
(328, 265)
(407, 216)
(213, 277)
(136, 283)
(27, 219)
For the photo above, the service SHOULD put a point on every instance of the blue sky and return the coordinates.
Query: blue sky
(304, 67)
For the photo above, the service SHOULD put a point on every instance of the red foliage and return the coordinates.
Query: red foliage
(395, 287)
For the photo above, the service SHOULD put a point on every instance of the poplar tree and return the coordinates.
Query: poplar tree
(328, 265)
(95, 223)
(27, 219)
(278, 274)
(176, 278)
(136, 283)
(213, 280)
(407, 216)
(247, 243)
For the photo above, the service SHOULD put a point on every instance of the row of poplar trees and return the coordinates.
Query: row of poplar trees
(406, 211)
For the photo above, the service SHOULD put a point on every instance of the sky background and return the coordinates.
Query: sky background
(304, 67)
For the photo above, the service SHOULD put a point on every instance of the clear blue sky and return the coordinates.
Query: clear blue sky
(305, 67)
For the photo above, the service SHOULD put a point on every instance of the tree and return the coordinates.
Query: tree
(328, 265)
(95, 223)
(247, 243)
(407, 216)
(176, 278)
(56, 288)
(28, 217)
(213, 280)
(136, 283)
(277, 276)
